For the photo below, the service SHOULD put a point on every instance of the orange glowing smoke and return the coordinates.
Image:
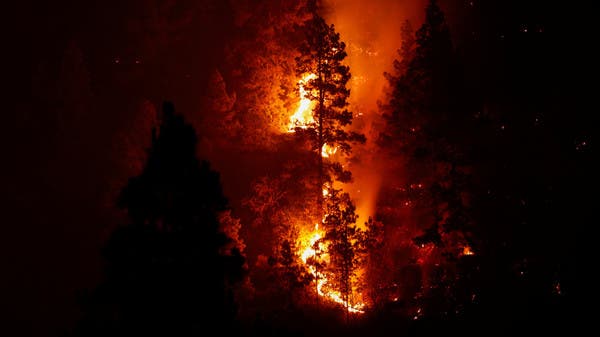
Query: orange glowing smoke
(303, 117)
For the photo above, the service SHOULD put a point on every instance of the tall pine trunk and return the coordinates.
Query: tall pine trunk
(320, 163)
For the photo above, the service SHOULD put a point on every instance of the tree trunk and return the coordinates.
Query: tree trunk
(321, 138)
(320, 144)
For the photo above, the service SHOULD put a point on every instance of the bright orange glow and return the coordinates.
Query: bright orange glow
(467, 251)
(307, 246)
(327, 151)
(308, 251)
(303, 117)
(310, 246)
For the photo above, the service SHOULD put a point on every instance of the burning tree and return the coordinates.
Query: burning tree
(308, 190)
(322, 118)
(279, 204)
(324, 83)
(346, 242)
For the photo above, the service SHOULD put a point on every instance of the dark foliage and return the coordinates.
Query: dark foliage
(484, 128)
(164, 273)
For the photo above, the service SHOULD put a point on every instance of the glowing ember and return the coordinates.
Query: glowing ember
(327, 151)
(467, 251)
(307, 251)
(303, 117)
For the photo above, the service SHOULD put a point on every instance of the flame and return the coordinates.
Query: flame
(307, 251)
(328, 150)
(467, 251)
(303, 117)
(310, 246)
(326, 187)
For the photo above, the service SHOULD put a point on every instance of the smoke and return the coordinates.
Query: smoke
(371, 31)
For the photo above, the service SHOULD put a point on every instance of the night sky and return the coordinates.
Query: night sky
(85, 78)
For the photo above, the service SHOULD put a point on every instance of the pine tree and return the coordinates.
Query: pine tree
(406, 54)
(425, 118)
(172, 260)
(442, 123)
(322, 54)
(345, 243)
(423, 88)
(290, 274)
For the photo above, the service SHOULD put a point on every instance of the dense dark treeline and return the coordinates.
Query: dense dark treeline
(490, 167)
(427, 207)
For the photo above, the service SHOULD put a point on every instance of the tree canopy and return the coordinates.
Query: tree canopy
(168, 265)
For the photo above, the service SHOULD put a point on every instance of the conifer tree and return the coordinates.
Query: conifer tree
(345, 243)
(172, 260)
(322, 54)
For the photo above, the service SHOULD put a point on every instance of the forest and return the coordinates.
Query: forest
(298, 168)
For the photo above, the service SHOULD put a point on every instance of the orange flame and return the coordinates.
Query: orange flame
(325, 190)
(467, 251)
(327, 150)
(307, 250)
(303, 117)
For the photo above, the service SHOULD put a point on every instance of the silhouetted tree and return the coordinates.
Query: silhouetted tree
(426, 126)
(406, 54)
(170, 271)
(422, 84)
(424, 118)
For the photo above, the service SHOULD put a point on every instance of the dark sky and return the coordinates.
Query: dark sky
(78, 73)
